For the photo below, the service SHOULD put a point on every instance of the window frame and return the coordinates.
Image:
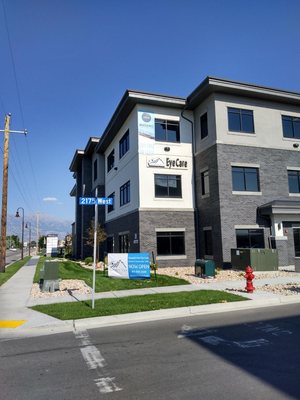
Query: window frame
(246, 171)
(166, 122)
(95, 169)
(242, 113)
(110, 165)
(293, 120)
(297, 173)
(124, 237)
(169, 177)
(249, 231)
(171, 236)
(205, 189)
(125, 194)
(124, 144)
(203, 125)
(111, 208)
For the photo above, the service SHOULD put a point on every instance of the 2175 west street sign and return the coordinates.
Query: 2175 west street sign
(91, 201)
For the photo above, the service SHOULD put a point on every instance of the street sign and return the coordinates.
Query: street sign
(91, 201)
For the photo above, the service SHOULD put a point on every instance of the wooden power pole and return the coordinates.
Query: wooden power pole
(6, 131)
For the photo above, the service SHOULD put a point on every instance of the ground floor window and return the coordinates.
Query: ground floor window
(170, 243)
(124, 243)
(110, 244)
(208, 248)
(250, 238)
(297, 241)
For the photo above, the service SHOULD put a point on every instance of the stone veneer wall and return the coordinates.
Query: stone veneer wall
(168, 219)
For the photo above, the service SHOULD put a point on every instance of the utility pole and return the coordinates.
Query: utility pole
(6, 131)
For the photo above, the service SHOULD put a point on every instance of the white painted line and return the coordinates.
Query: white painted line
(95, 361)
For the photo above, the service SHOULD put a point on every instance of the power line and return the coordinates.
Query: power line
(13, 65)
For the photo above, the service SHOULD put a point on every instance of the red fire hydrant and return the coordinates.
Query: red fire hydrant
(249, 277)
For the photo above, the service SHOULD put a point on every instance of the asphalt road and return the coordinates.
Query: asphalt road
(12, 256)
(252, 354)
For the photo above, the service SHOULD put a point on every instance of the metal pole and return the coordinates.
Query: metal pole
(95, 249)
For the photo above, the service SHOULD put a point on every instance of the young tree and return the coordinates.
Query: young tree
(101, 235)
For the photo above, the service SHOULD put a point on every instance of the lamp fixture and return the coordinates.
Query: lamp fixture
(167, 149)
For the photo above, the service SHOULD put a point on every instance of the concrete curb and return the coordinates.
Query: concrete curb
(145, 316)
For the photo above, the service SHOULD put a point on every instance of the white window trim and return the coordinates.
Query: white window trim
(170, 229)
(207, 228)
(167, 117)
(247, 227)
(293, 168)
(179, 257)
(242, 164)
(245, 193)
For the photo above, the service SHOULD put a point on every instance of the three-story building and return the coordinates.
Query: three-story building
(199, 176)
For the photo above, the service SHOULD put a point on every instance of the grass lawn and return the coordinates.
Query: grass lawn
(12, 269)
(71, 270)
(131, 304)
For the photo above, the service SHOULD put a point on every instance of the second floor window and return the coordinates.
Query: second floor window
(167, 131)
(111, 160)
(240, 120)
(203, 126)
(291, 127)
(110, 208)
(205, 182)
(245, 179)
(95, 170)
(125, 193)
(124, 144)
(167, 185)
(294, 181)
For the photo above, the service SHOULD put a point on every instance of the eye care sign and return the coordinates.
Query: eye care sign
(129, 265)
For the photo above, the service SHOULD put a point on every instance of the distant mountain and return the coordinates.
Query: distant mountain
(47, 225)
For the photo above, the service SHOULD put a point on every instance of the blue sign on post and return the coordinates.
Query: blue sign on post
(100, 201)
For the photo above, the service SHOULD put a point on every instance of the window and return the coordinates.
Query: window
(167, 185)
(291, 127)
(124, 144)
(203, 126)
(111, 160)
(110, 208)
(294, 181)
(125, 194)
(124, 243)
(250, 238)
(167, 131)
(110, 244)
(240, 120)
(170, 243)
(245, 179)
(95, 169)
(208, 248)
(297, 241)
(204, 183)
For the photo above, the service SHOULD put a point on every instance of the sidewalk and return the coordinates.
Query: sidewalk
(15, 300)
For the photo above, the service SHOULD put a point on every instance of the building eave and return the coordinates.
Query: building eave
(218, 85)
(129, 100)
(77, 158)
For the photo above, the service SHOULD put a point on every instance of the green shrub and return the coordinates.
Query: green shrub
(88, 260)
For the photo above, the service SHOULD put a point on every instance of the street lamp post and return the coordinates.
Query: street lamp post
(18, 215)
(28, 226)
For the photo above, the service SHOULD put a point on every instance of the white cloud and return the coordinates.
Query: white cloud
(50, 199)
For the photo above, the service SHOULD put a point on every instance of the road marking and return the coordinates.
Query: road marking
(96, 362)
(205, 336)
(269, 328)
(11, 323)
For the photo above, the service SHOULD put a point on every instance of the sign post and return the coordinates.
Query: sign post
(95, 201)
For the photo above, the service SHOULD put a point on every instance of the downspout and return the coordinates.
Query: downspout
(196, 214)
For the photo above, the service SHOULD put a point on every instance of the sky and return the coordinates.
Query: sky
(65, 64)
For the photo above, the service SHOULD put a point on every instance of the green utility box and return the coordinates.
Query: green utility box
(49, 276)
(258, 259)
(205, 267)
